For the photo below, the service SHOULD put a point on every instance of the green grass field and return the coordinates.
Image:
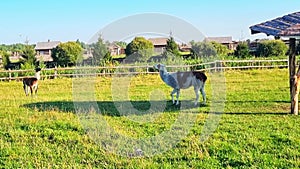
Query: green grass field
(255, 130)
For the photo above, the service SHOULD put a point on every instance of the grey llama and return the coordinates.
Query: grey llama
(183, 80)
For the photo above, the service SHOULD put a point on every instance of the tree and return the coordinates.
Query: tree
(82, 44)
(5, 59)
(121, 44)
(67, 54)
(139, 49)
(242, 50)
(28, 53)
(99, 50)
(172, 47)
(269, 48)
(19, 47)
(25, 50)
(202, 50)
(222, 50)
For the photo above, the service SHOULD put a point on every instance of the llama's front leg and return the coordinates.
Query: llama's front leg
(172, 94)
(25, 90)
(196, 89)
(177, 96)
(203, 95)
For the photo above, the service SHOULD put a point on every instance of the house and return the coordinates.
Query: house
(159, 44)
(185, 47)
(227, 41)
(44, 50)
(87, 53)
(116, 49)
(15, 56)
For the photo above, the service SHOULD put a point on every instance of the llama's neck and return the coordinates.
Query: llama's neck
(163, 74)
(168, 79)
(38, 75)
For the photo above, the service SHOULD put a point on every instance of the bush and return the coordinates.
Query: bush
(242, 50)
(203, 50)
(222, 50)
(271, 48)
(107, 61)
(67, 54)
(26, 66)
(5, 59)
(195, 62)
(139, 49)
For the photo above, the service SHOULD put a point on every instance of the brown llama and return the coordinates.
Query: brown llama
(32, 83)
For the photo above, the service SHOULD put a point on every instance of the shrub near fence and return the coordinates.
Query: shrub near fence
(253, 63)
(146, 69)
(15, 74)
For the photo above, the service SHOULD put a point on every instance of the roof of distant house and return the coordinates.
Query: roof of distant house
(113, 46)
(158, 41)
(46, 45)
(226, 39)
(185, 46)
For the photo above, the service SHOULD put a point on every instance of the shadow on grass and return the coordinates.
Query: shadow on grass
(111, 108)
(119, 108)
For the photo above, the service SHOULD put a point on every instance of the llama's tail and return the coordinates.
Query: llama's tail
(204, 78)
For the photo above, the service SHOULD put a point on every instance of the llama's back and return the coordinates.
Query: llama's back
(200, 75)
(30, 81)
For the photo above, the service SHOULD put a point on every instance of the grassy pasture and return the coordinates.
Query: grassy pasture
(255, 130)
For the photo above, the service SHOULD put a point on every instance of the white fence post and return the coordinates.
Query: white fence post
(55, 72)
(147, 68)
(9, 74)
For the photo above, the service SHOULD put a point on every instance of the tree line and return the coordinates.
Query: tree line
(139, 50)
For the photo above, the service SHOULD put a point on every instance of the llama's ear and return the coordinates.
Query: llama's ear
(158, 66)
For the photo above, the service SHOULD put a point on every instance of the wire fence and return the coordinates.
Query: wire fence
(8, 75)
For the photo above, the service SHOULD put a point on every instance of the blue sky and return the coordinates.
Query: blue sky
(68, 20)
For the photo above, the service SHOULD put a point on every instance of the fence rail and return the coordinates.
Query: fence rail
(8, 75)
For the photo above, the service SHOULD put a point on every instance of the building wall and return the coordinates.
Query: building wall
(159, 48)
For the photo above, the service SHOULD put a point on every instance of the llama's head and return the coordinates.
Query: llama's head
(38, 73)
(159, 66)
(37, 69)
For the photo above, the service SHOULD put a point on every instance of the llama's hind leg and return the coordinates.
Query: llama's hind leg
(36, 89)
(177, 96)
(31, 90)
(203, 94)
(196, 89)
